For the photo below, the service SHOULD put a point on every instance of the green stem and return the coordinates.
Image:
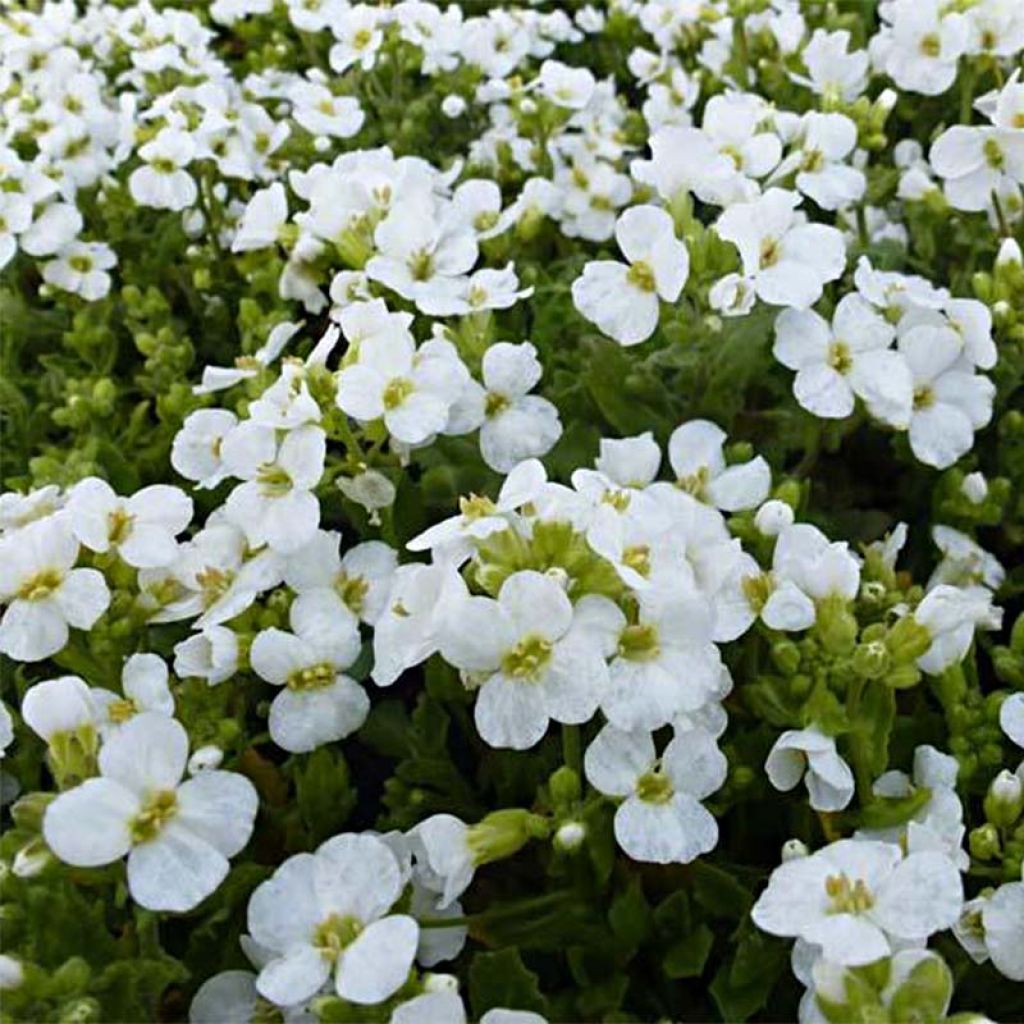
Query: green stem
(571, 753)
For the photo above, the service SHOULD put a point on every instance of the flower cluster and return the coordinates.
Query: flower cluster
(511, 513)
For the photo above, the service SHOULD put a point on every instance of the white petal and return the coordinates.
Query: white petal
(89, 825)
(510, 713)
(294, 977)
(175, 871)
(377, 964)
(220, 808)
(147, 754)
(304, 720)
(356, 875)
(616, 758)
(923, 895)
(675, 832)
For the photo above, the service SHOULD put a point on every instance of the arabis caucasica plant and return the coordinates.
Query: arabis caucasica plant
(511, 512)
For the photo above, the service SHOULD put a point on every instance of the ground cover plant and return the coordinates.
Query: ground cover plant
(512, 513)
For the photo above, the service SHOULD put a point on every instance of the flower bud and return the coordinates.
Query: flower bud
(11, 973)
(204, 759)
(503, 833)
(1009, 252)
(453, 106)
(792, 849)
(984, 842)
(975, 488)
(1004, 800)
(565, 786)
(773, 517)
(440, 982)
(570, 836)
(31, 859)
(29, 810)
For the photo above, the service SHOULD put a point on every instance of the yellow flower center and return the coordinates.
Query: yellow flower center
(40, 586)
(654, 788)
(334, 933)
(313, 677)
(156, 812)
(528, 658)
(396, 392)
(641, 276)
(846, 897)
(639, 642)
(839, 357)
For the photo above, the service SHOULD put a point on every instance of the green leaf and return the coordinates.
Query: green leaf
(324, 793)
(686, 958)
(630, 915)
(718, 892)
(502, 979)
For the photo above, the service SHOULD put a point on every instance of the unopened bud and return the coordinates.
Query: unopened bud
(984, 842)
(440, 982)
(1004, 800)
(793, 849)
(570, 836)
(773, 517)
(1009, 252)
(204, 759)
(975, 488)
(31, 859)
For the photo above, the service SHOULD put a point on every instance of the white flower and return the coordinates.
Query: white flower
(975, 162)
(835, 72)
(359, 36)
(162, 181)
(15, 217)
(514, 425)
(411, 390)
(407, 631)
(144, 682)
(565, 86)
(664, 664)
(950, 400)
(196, 451)
(318, 703)
(964, 562)
(81, 268)
(1003, 920)
(951, 615)
(788, 261)
(453, 539)
(178, 835)
(142, 529)
(856, 899)
(661, 818)
(811, 755)
(62, 707)
(696, 454)
(211, 655)
(355, 585)
(828, 140)
(536, 658)
(852, 357)
(417, 252)
(276, 504)
(623, 301)
(320, 112)
(924, 46)
(265, 215)
(43, 591)
(326, 914)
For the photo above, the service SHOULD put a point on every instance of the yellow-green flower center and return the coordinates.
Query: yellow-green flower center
(121, 710)
(352, 590)
(40, 586)
(770, 253)
(924, 397)
(156, 812)
(273, 480)
(638, 558)
(476, 506)
(654, 788)
(931, 45)
(313, 677)
(639, 642)
(334, 933)
(696, 483)
(119, 524)
(397, 391)
(994, 154)
(421, 265)
(527, 659)
(641, 276)
(757, 590)
(494, 404)
(846, 897)
(839, 357)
